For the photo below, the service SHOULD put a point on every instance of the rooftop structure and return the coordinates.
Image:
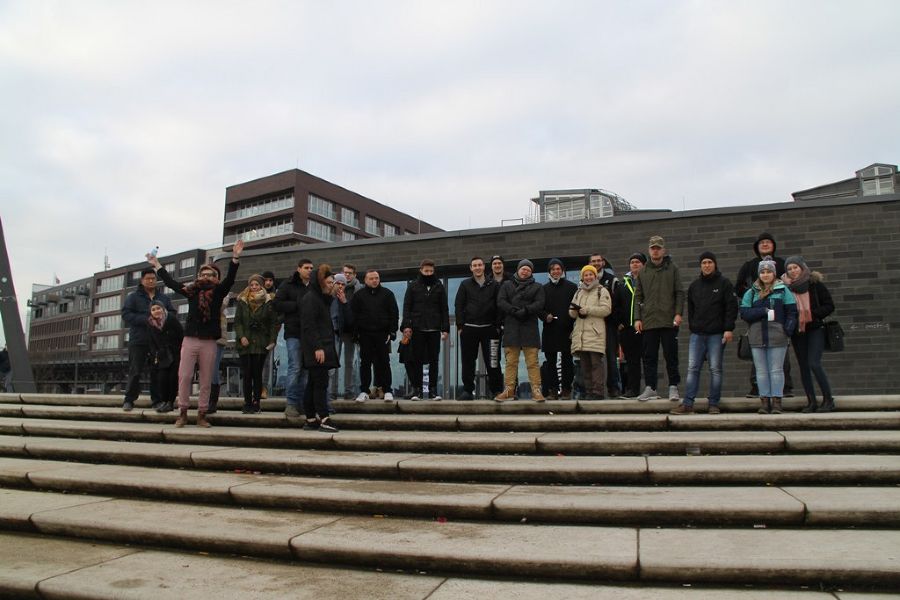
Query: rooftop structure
(878, 179)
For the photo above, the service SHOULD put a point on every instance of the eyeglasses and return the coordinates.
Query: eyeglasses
(208, 274)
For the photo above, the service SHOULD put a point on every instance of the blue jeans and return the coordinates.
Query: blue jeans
(703, 346)
(769, 363)
(295, 386)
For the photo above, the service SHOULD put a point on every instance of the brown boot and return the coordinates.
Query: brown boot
(181, 421)
(536, 394)
(776, 406)
(264, 393)
(508, 393)
(766, 406)
(201, 419)
(566, 394)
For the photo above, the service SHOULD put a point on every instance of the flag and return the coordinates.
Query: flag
(56, 280)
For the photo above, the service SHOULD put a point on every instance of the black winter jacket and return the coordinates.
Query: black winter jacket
(477, 304)
(557, 298)
(425, 306)
(196, 326)
(375, 311)
(712, 307)
(317, 331)
(135, 312)
(522, 303)
(165, 344)
(287, 304)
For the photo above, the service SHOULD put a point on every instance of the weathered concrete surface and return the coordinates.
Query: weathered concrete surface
(396, 422)
(83, 413)
(412, 441)
(522, 469)
(154, 575)
(11, 426)
(137, 432)
(12, 445)
(27, 560)
(129, 453)
(9, 410)
(249, 436)
(523, 550)
(843, 441)
(487, 407)
(787, 421)
(830, 469)
(18, 506)
(639, 442)
(650, 506)
(370, 406)
(372, 496)
(844, 556)
(172, 484)
(859, 506)
(304, 462)
(479, 589)
(15, 471)
(10, 398)
(253, 532)
(561, 422)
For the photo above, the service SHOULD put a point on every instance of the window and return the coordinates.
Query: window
(322, 207)
(878, 186)
(38, 313)
(64, 308)
(600, 206)
(136, 275)
(372, 226)
(108, 323)
(108, 304)
(106, 342)
(183, 308)
(320, 231)
(349, 217)
(169, 267)
(348, 236)
(187, 263)
(111, 284)
(257, 232)
(253, 208)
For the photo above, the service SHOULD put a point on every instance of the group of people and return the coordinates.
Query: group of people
(330, 318)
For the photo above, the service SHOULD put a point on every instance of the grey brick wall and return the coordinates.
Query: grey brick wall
(855, 244)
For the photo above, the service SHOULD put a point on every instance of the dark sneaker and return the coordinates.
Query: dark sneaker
(682, 409)
(255, 408)
(128, 406)
(291, 412)
(327, 427)
(157, 405)
(311, 426)
(466, 396)
(163, 407)
(753, 393)
(714, 410)
(248, 409)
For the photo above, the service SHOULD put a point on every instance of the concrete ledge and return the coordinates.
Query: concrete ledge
(650, 506)
(858, 506)
(303, 462)
(409, 441)
(830, 557)
(787, 421)
(563, 422)
(11, 426)
(367, 407)
(12, 445)
(127, 453)
(8, 410)
(705, 442)
(18, 506)
(842, 441)
(522, 550)
(140, 432)
(830, 469)
(15, 471)
(396, 422)
(487, 407)
(247, 436)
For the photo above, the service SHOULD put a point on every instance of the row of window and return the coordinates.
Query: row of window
(59, 327)
(254, 208)
(328, 209)
(265, 230)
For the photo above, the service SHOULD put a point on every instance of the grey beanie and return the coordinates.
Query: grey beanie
(525, 263)
(555, 261)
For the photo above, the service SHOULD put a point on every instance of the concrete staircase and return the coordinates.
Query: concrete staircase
(440, 500)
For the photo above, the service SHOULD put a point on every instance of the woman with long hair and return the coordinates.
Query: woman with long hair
(589, 309)
(318, 348)
(770, 309)
(814, 303)
(254, 330)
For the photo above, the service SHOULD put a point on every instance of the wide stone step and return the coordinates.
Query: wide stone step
(567, 552)
(53, 567)
(646, 505)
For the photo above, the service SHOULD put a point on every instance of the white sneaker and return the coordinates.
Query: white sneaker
(673, 393)
(388, 397)
(436, 398)
(362, 397)
(648, 394)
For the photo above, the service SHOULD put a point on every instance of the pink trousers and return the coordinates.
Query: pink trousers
(195, 351)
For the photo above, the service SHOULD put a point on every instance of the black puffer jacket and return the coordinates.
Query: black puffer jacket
(477, 304)
(135, 312)
(557, 298)
(375, 311)
(712, 306)
(317, 332)
(165, 344)
(425, 305)
(287, 304)
(522, 303)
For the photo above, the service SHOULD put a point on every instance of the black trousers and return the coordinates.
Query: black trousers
(613, 383)
(632, 348)
(668, 338)
(167, 381)
(137, 362)
(425, 348)
(471, 339)
(251, 373)
(315, 402)
(374, 353)
(567, 368)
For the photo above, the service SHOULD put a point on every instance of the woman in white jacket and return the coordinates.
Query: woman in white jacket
(590, 307)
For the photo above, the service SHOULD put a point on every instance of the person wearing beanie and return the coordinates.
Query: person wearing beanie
(166, 335)
(630, 340)
(607, 276)
(589, 308)
(498, 270)
(318, 349)
(555, 341)
(712, 310)
(202, 328)
(478, 327)
(255, 333)
(135, 311)
(770, 310)
(763, 246)
(521, 301)
(659, 303)
(426, 322)
(814, 303)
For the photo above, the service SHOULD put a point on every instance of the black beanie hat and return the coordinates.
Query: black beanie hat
(707, 254)
(765, 235)
(640, 256)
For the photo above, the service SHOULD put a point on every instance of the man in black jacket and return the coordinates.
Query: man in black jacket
(608, 279)
(712, 309)
(555, 341)
(287, 303)
(135, 312)
(426, 322)
(477, 323)
(375, 317)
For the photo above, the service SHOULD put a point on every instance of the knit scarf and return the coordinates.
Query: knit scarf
(203, 291)
(157, 322)
(800, 289)
(253, 299)
(589, 286)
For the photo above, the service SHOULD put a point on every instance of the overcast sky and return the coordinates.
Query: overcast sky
(123, 122)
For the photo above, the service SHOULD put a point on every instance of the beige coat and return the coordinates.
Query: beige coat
(589, 334)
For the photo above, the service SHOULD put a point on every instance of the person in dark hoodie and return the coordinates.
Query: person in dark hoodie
(375, 317)
(763, 246)
(318, 347)
(476, 321)
(202, 329)
(426, 320)
(521, 300)
(712, 310)
(165, 336)
(287, 304)
(814, 303)
(555, 341)
(624, 305)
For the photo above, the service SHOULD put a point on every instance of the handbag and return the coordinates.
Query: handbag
(834, 336)
(743, 347)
